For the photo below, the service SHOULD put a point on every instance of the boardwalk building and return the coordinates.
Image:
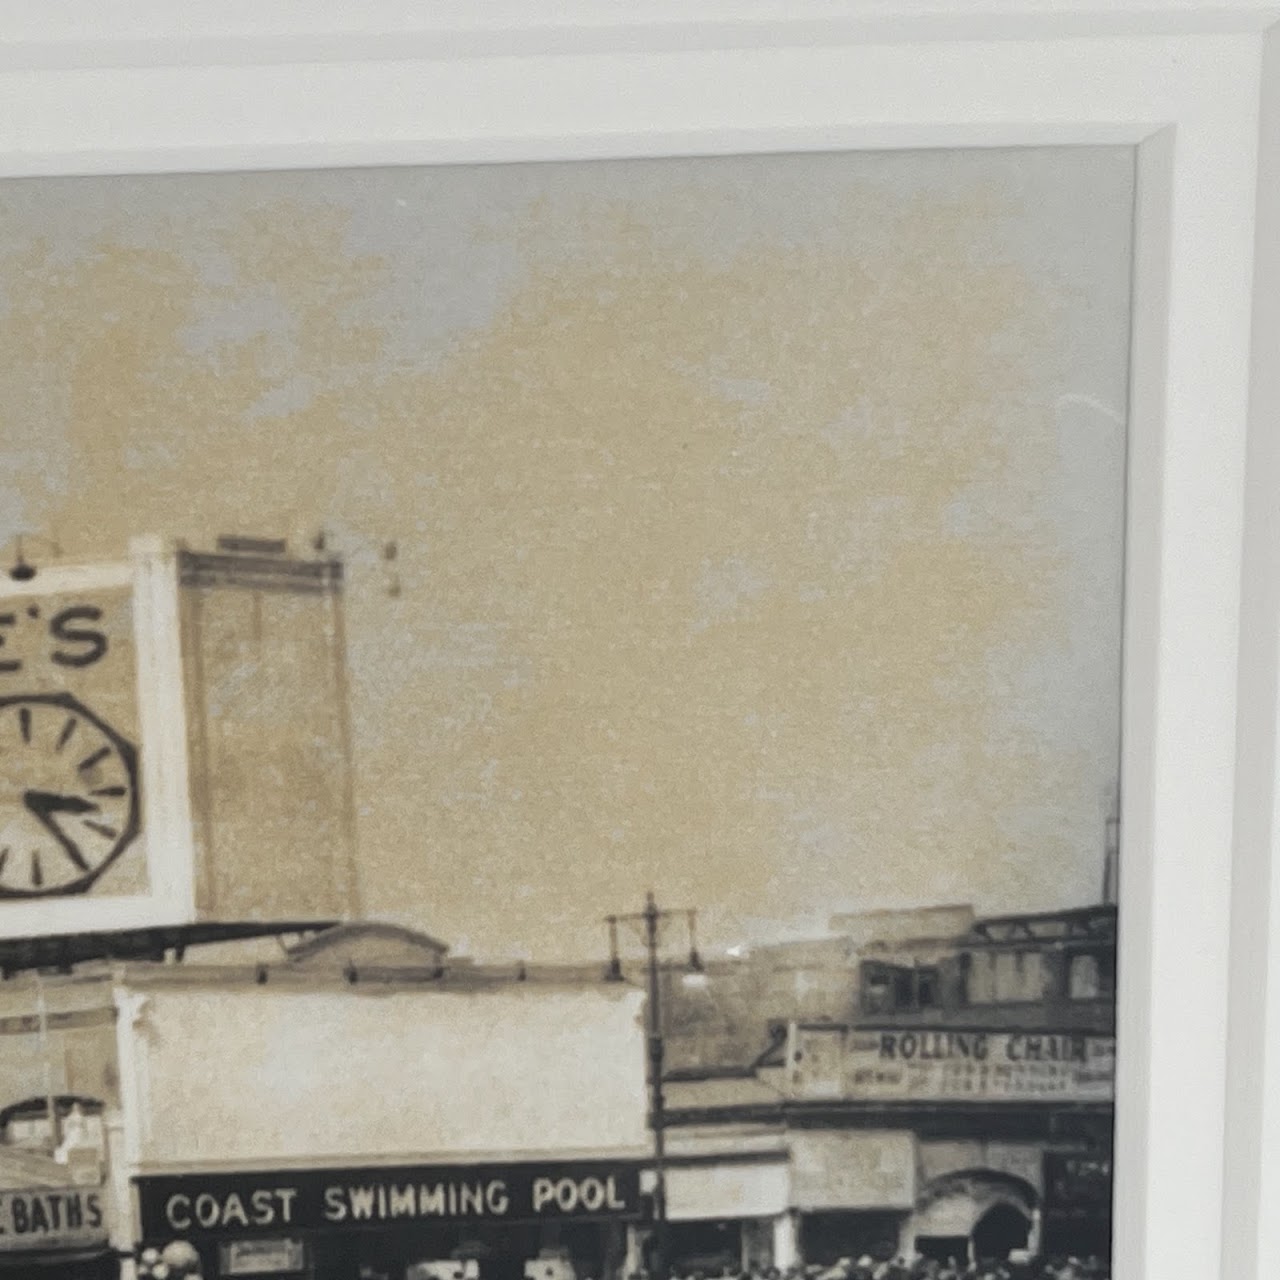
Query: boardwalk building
(954, 1098)
(361, 1108)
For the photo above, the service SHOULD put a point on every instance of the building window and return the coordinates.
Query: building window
(877, 989)
(1090, 976)
(903, 989)
(888, 988)
(982, 978)
(1033, 976)
(1007, 977)
(1084, 981)
(927, 988)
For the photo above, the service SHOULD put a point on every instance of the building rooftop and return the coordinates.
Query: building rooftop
(1095, 922)
(368, 942)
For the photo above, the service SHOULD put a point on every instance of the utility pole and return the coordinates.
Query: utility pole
(657, 1100)
(51, 1100)
(1111, 857)
(650, 922)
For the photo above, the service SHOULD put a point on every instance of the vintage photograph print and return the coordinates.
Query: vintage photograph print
(562, 721)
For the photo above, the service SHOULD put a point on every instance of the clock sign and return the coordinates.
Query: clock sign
(68, 795)
(70, 751)
(131, 726)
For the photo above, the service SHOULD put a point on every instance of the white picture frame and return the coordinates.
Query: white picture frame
(138, 86)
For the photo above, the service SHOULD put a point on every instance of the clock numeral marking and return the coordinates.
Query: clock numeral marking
(95, 800)
(8, 664)
(89, 761)
(73, 853)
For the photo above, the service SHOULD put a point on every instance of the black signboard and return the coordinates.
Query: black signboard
(1077, 1204)
(354, 1199)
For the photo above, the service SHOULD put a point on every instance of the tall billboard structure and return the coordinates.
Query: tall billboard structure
(174, 743)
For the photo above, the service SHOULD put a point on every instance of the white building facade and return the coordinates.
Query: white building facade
(371, 1127)
(341, 1118)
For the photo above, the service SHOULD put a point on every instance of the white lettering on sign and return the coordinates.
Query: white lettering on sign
(265, 1208)
(58, 1216)
(565, 1195)
(380, 1202)
(316, 1200)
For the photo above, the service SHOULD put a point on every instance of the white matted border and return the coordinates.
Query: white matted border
(152, 86)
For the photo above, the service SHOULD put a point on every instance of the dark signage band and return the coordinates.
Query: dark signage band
(344, 1199)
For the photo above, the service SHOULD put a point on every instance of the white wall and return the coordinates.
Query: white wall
(275, 1076)
(756, 1190)
(853, 1169)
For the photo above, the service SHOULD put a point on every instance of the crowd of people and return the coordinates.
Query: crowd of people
(1015, 1267)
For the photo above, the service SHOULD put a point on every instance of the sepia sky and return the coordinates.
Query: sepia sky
(759, 519)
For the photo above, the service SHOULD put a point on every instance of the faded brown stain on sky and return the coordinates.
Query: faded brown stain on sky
(694, 595)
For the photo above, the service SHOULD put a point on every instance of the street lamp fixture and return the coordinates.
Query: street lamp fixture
(649, 921)
(22, 570)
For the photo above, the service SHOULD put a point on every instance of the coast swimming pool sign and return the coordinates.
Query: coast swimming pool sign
(113, 810)
(326, 1200)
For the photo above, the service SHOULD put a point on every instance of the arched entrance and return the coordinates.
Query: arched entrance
(1001, 1230)
(975, 1213)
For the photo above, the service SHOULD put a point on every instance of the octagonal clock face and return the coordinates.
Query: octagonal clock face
(68, 796)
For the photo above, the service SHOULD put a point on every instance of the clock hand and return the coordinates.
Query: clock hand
(43, 804)
(46, 802)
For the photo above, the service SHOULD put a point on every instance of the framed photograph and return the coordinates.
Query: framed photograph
(638, 642)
